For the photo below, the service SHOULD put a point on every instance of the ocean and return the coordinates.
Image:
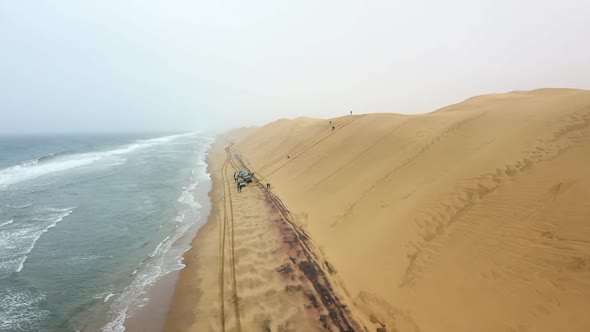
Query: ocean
(88, 223)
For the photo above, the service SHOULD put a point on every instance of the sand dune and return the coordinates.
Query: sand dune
(475, 217)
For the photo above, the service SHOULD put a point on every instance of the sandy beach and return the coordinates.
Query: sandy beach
(295, 166)
(470, 218)
(272, 276)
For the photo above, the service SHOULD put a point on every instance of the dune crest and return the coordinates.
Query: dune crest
(472, 217)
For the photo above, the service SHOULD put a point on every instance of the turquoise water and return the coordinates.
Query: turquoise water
(89, 222)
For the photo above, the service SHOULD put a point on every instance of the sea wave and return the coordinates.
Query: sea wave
(187, 196)
(82, 259)
(159, 263)
(26, 205)
(20, 309)
(28, 170)
(62, 161)
(53, 156)
(157, 250)
(165, 139)
(59, 215)
(16, 244)
(108, 297)
(7, 222)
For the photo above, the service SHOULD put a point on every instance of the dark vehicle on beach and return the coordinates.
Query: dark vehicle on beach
(245, 176)
(242, 183)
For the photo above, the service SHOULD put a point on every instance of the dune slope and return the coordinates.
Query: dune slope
(475, 217)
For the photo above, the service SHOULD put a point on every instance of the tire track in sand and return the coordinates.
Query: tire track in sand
(312, 265)
(228, 230)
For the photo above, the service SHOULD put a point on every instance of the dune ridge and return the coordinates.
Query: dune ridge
(472, 217)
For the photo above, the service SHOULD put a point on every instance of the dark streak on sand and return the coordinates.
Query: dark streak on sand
(300, 242)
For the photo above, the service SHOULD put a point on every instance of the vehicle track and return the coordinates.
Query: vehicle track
(227, 230)
(222, 228)
(338, 312)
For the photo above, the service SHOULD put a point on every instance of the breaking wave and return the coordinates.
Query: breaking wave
(62, 161)
(21, 241)
(6, 223)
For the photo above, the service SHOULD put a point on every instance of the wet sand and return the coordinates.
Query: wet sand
(152, 316)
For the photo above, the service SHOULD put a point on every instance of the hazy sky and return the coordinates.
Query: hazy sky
(117, 65)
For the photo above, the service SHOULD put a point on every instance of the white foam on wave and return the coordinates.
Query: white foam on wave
(34, 168)
(54, 219)
(166, 139)
(25, 171)
(108, 297)
(81, 259)
(187, 196)
(179, 218)
(158, 264)
(19, 206)
(151, 272)
(157, 250)
(7, 222)
(19, 309)
(17, 242)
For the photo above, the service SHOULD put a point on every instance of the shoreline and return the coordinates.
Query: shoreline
(140, 300)
(177, 311)
(152, 315)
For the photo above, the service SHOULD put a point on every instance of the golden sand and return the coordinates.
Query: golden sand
(252, 269)
(475, 217)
